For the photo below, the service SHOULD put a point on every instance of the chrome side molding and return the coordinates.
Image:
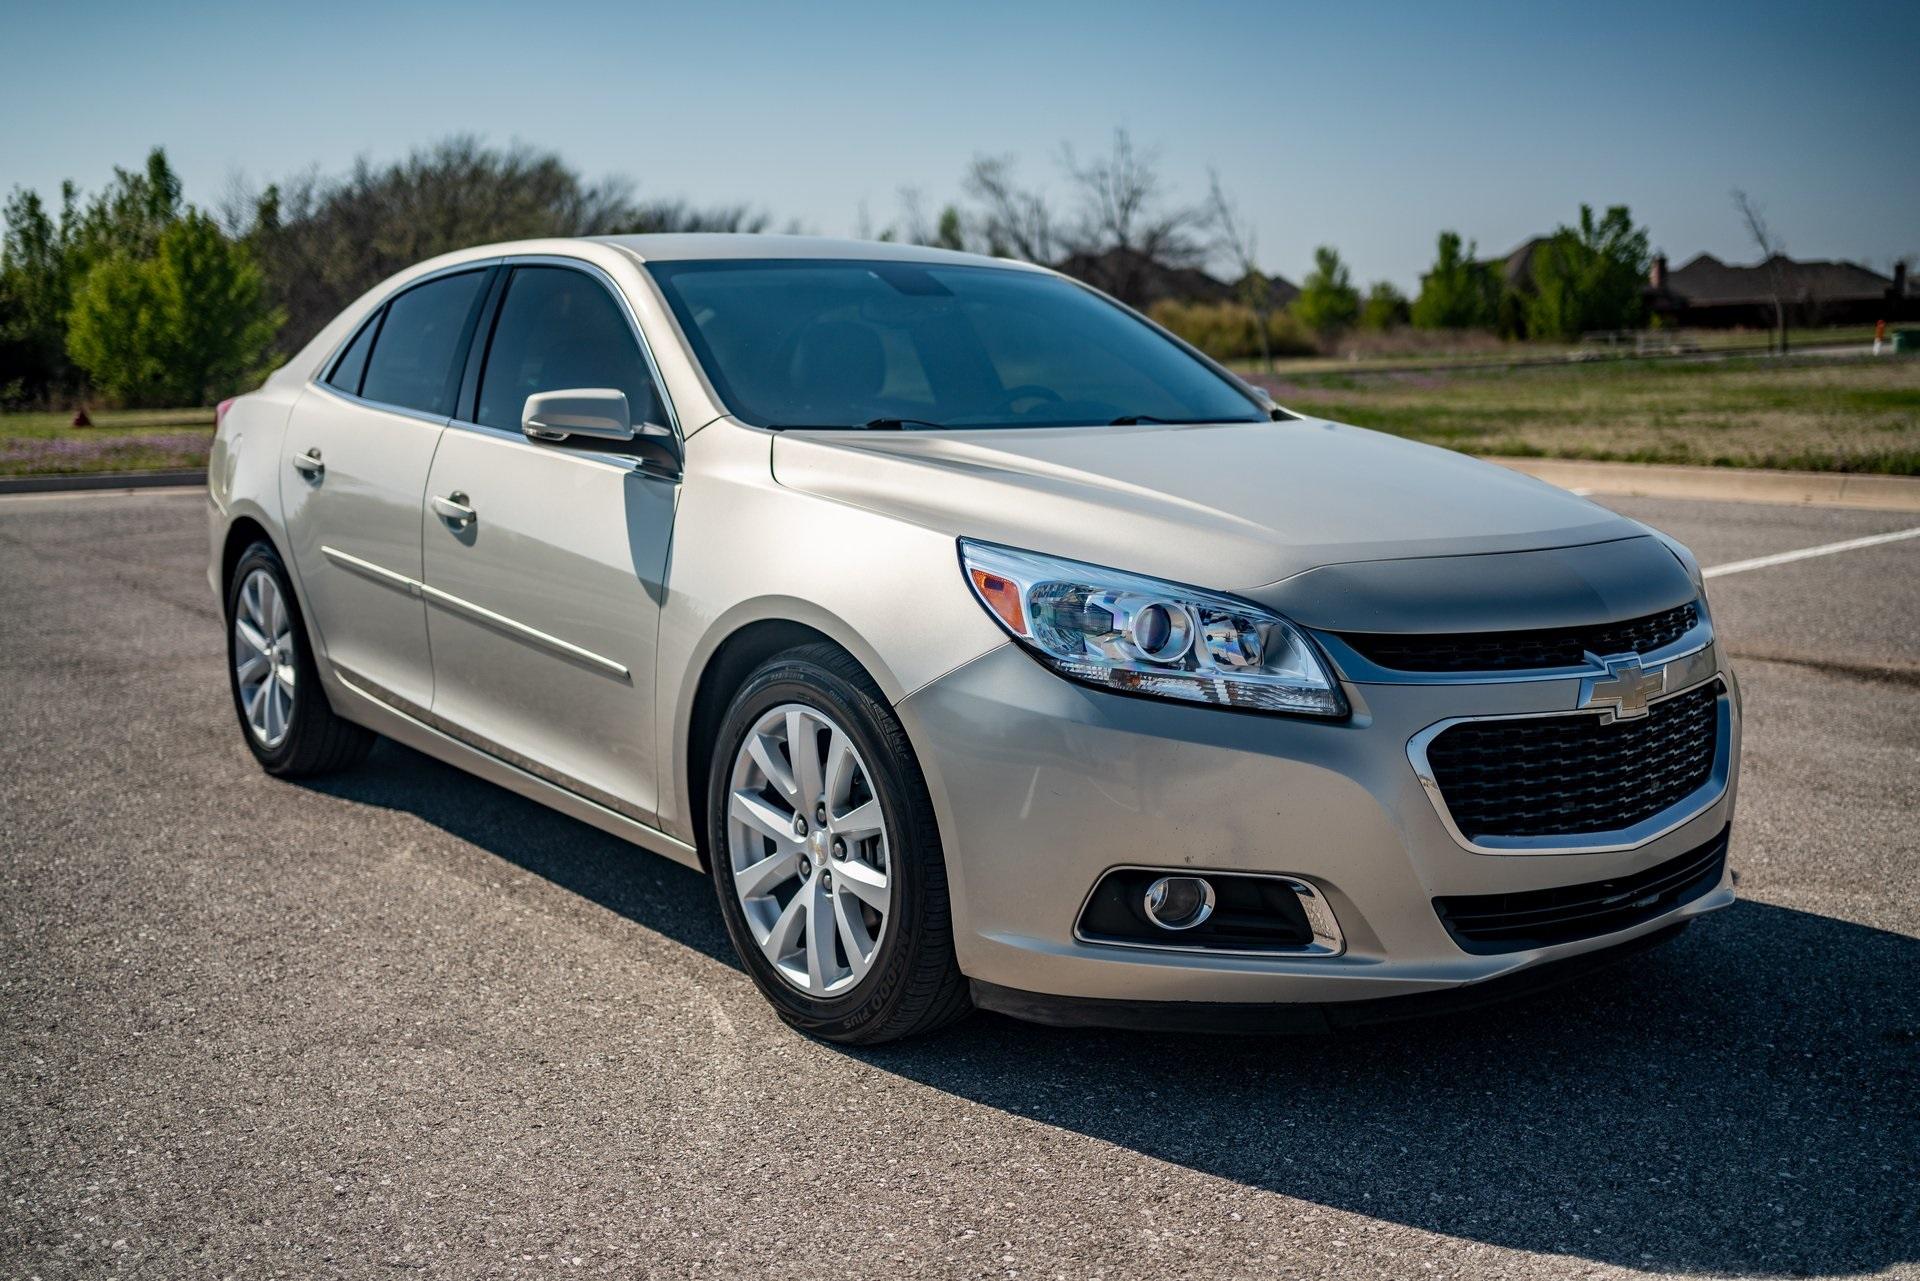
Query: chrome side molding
(478, 613)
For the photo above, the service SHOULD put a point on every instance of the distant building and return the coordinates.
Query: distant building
(1706, 293)
(1140, 281)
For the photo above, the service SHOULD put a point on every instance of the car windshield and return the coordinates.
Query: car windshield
(837, 344)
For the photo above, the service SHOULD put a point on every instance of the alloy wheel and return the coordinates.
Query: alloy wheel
(808, 846)
(263, 660)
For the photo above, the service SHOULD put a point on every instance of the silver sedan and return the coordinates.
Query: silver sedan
(985, 643)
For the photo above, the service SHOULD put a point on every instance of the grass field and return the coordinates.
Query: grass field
(1816, 414)
(1427, 348)
(1812, 413)
(119, 440)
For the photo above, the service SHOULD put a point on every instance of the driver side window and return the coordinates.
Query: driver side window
(559, 329)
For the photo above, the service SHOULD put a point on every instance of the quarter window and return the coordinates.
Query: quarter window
(352, 365)
(416, 358)
(560, 329)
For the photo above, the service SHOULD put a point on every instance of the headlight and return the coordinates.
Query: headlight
(1120, 631)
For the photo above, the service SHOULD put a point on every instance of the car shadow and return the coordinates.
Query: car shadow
(1745, 1100)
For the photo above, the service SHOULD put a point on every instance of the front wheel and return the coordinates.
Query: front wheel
(826, 856)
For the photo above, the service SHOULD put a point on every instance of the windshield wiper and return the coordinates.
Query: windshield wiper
(1134, 420)
(872, 424)
(903, 424)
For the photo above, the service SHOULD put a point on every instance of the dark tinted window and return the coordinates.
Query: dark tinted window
(559, 329)
(822, 343)
(416, 359)
(352, 364)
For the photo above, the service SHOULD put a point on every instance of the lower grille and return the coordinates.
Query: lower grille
(1490, 923)
(1573, 775)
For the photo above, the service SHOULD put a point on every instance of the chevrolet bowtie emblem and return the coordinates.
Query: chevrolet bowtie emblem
(1624, 692)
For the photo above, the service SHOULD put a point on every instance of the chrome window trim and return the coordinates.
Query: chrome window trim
(1328, 939)
(317, 376)
(607, 282)
(1649, 829)
(478, 613)
(318, 382)
(1355, 667)
(419, 416)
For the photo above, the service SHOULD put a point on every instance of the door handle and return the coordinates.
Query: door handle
(309, 464)
(454, 510)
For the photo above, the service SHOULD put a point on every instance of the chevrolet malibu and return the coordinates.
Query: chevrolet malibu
(986, 644)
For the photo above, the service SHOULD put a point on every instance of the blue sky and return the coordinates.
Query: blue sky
(1369, 127)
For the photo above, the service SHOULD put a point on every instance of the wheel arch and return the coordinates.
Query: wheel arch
(732, 660)
(243, 531)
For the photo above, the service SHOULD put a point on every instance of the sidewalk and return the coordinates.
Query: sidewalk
(1725, 484)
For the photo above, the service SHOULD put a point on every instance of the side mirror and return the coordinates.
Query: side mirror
(597, 413)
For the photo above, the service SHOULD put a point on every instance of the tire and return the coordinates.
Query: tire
(910, 983)
(299, 735)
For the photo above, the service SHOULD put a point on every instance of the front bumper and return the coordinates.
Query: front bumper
(1042, 785)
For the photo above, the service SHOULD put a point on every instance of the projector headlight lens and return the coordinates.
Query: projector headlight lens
(1125, 632)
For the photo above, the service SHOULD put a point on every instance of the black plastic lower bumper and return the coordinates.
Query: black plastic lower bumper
(1296, 1018)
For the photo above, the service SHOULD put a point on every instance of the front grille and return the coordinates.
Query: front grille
(1523, 651)
(1572, 775)
(1488, 923)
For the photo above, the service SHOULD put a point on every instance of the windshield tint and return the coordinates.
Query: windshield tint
(823, 343)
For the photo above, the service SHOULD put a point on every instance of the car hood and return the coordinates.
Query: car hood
(1229, 506)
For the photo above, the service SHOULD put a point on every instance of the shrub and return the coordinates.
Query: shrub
(1328, 303)
(183, 327)
(1231, 330)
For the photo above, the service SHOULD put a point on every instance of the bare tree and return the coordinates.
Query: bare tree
(1770, 253)
(1122, 206)
(1239, 242)
(1016, 221)
(917, 229)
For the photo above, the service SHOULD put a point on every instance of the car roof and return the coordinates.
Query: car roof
(671, 247)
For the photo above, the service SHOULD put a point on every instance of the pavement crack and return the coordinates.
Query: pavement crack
(1875, 673)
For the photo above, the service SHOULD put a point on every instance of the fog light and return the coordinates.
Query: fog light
(1178, 902)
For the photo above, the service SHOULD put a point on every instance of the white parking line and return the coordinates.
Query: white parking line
(1825, 549)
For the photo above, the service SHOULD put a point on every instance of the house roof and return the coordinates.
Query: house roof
(1706, 281)
(1517, 267)
(1143, 281)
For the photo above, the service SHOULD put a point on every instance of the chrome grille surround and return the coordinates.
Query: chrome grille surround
(1627, 837)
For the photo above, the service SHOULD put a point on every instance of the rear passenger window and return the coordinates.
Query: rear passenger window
(352, 365)
(416, 359)
(558, 330)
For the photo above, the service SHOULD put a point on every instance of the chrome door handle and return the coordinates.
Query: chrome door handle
(309, 464)
(454, 510)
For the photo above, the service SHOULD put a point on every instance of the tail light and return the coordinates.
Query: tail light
(220, 412)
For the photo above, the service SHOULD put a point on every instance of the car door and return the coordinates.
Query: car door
(359, 445)
(544, 562)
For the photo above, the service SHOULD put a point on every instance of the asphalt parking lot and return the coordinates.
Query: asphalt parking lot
(406, 1021)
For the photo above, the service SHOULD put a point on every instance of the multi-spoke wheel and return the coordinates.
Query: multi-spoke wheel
(826, 856)
(284, 713)
(809, 849)
(263, 659)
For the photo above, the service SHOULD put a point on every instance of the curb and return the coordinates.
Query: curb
(1725, 484)
(110, 480)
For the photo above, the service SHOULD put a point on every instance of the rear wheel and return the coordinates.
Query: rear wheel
(826, 857)
(284, 714)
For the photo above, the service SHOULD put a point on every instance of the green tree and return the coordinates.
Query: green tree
(182, 327)
(44, 258)
(951, 232)
(1385, 307)
(1457, 293)
(35, 292)
(323, 241)
(1590, 277)
(1328, 302)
